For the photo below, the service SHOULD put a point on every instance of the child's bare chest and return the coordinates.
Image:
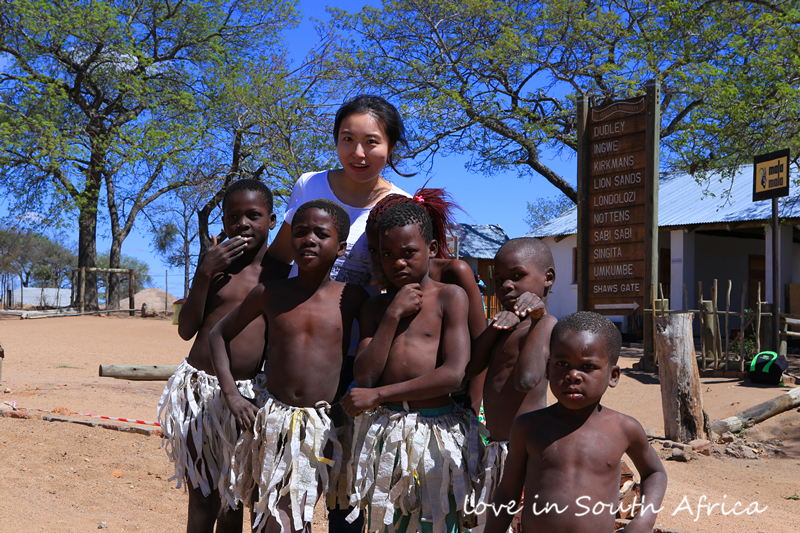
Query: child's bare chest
(590, 451)
(424, 326)
(321, 314)
(229, 290)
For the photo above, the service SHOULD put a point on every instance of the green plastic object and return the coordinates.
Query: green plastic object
(766, 367)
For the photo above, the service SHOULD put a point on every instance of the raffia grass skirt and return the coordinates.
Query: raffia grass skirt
(415, 463)
(291, 452)
(194, 417)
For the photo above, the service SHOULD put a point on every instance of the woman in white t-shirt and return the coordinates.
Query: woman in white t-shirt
(366, 130)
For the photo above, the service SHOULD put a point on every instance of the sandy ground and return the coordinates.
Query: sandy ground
(69, 477)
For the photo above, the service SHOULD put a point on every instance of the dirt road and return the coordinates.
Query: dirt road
(69, 477)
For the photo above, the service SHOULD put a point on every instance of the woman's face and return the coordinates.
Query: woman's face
(363, 147)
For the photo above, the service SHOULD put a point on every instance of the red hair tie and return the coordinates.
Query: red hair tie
(420, 199)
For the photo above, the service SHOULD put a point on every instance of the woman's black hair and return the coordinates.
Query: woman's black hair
(385, 113)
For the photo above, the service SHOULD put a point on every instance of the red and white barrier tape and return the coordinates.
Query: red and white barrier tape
(145, 422)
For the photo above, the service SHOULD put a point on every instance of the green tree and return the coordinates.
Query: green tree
(110, 98)
(35, 258)
(174, 229)
(499, 80)
(542, 210)
(274, 123)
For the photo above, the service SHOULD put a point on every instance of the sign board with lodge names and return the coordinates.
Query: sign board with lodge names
(771, 175)
(616, 160)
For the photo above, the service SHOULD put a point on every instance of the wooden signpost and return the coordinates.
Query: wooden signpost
(770, 182)
(618, 205)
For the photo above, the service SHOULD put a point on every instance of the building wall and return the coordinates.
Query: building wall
(723, 259)
(563, 298)
(31, 296)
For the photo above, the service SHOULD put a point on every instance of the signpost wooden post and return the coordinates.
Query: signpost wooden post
(618, 206)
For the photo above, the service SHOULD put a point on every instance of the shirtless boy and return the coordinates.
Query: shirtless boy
(515, 347)
(568, 455)
(191, 411)
(282, 460)
(411, 444)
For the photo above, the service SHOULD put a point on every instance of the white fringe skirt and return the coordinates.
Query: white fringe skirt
(414, 463)
(194, 418)
(290, 452)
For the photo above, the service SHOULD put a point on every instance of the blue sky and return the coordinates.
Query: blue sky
(501, 199)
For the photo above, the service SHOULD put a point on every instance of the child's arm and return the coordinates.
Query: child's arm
(376, 340)
(506, 498)
(243, 411)
(280, 249)
(530, 367)
(465, 279)
(482, 346)
(653, 476)
(218, 258)
(444, 379)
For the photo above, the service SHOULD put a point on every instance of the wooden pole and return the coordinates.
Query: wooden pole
(728, 328)
(686, 297)
(138, 372)
(651, 174)
(681, 395)
(742, 328)
(766, 331)
(707, 332)
(703, 322)
(650, 357)
(776, 277)
(757, 414)
(758, 319)
(715, 325)
(582, 141)
(131, 292)
(166, 290)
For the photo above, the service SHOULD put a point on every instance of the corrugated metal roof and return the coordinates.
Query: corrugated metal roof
(480, 241)
(683, 201)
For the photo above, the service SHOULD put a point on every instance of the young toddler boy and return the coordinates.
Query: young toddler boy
(283, 459)
(199, 433)
(568, 455)
(415, 454)
(515, 347)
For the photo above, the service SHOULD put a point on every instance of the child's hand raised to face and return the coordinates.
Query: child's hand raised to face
(221, 256)
(529, 304)
(407, 301)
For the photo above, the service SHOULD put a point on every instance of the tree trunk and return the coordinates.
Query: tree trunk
(204, 214)
(681, 396)
(187, 260)
(87, 253)
(114, 259)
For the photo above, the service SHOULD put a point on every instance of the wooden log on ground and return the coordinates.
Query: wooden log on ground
(138, 372)
(757, 414)
(681, 395)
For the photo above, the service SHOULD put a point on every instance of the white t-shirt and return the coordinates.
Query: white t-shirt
(355, 266)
